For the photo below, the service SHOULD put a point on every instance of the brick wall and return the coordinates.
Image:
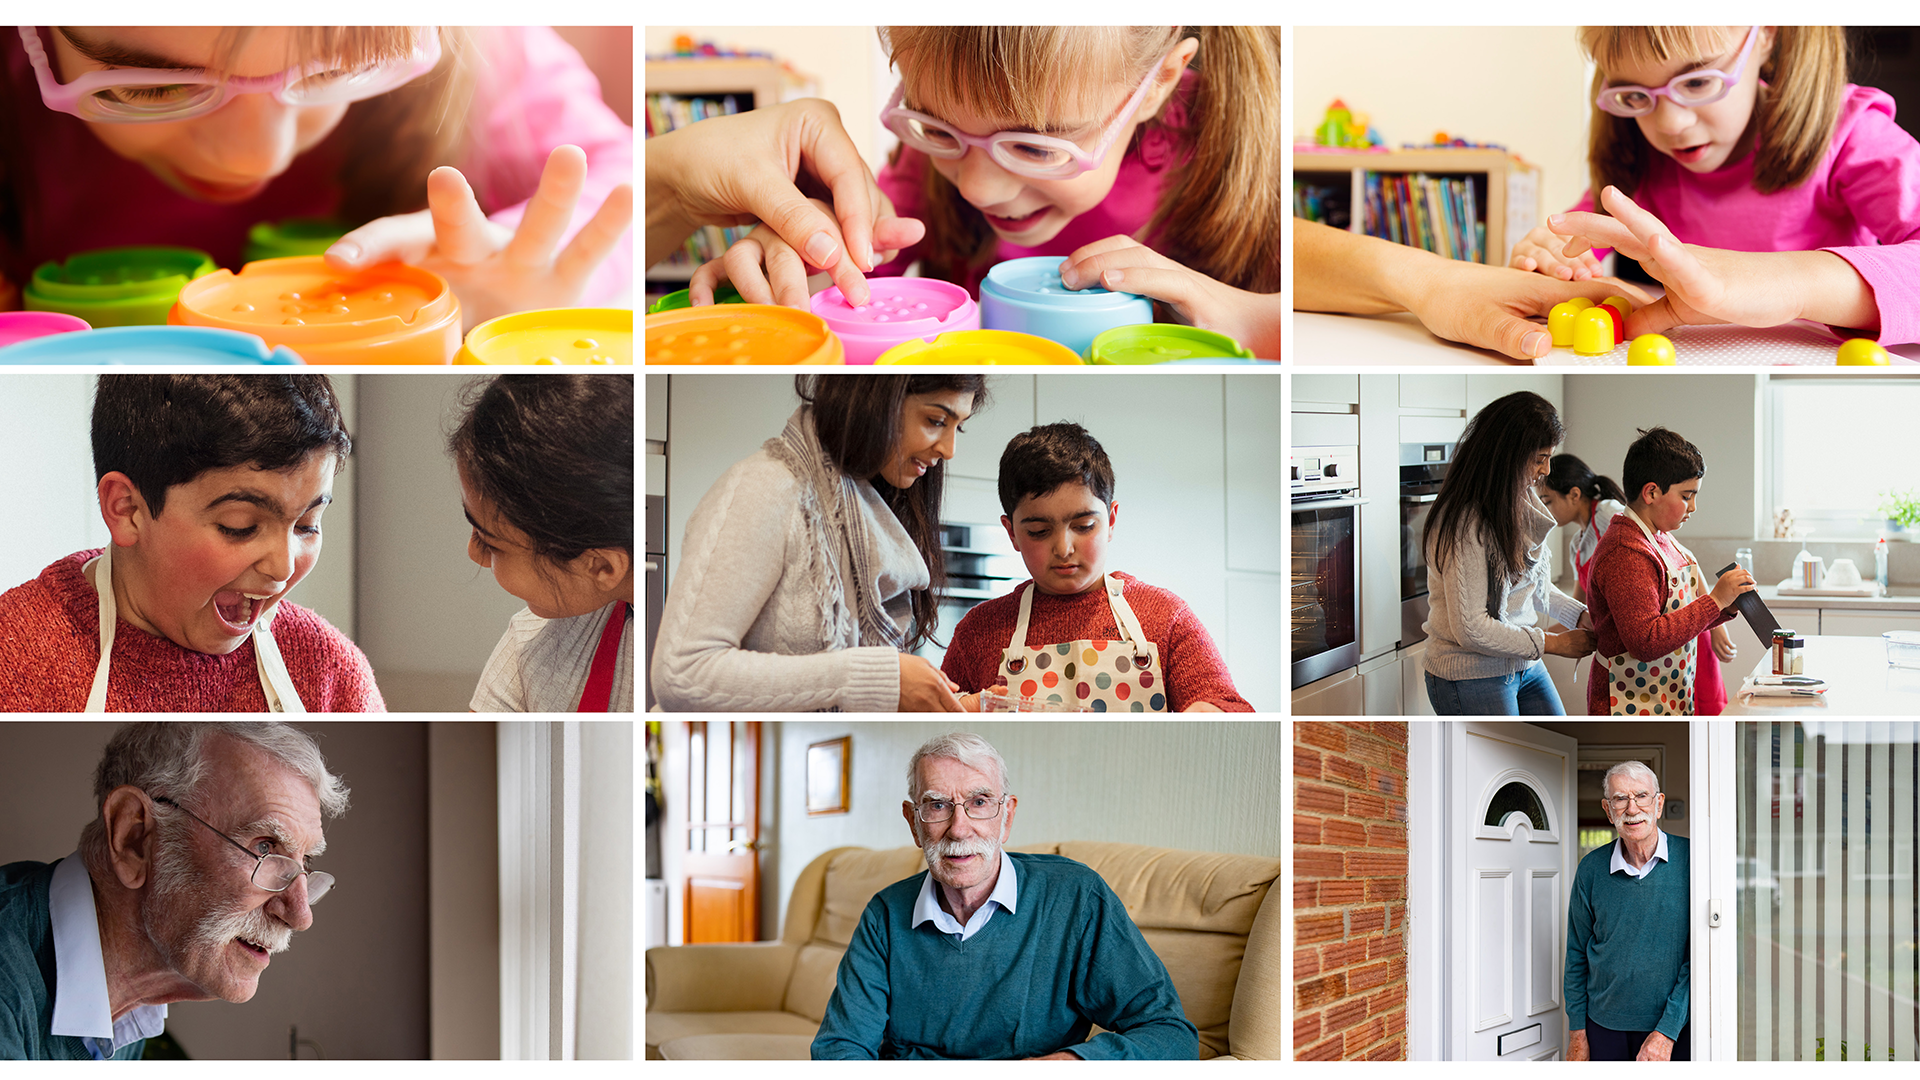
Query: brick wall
(1350, 891)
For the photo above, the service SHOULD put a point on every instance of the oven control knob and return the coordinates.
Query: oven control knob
(1332, 470)
(1296, 471)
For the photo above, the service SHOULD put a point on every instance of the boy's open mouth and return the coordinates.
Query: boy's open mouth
(238, 609)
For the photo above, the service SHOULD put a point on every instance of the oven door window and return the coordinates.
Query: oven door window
(1413, 549)
(1323, 580)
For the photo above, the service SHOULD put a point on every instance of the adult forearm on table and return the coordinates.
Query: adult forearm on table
(1339, 271)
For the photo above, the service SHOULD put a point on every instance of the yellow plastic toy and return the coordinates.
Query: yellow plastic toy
(741, 334)
(1560, 320)
(1863, 352)
(1593, 332)
(1650, 350)
(981, 347)
(1619, 304)
(595, 336)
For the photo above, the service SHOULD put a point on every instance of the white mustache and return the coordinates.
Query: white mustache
(942, 849)
(255, 926)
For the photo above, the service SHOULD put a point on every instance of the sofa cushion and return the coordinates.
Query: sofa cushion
(664, 1027)
(853, 877)
(738, 1048)
(815, 971)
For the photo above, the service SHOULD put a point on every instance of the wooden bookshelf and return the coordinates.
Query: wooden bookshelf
(1513, 186)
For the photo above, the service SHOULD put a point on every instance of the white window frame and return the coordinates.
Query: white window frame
(1827, 526)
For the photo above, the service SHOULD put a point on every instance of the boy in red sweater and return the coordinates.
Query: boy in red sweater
(212, 488)
(1649, 599)
(1078, 636)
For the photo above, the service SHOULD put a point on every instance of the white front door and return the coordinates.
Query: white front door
(1511, 841)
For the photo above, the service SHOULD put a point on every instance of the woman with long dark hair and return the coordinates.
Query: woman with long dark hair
(811, 570)
(1489, 571)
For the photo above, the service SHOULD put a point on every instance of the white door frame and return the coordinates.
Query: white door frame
(1714, 933)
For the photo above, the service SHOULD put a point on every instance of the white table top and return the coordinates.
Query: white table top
(1397, 340)
(1859, 683)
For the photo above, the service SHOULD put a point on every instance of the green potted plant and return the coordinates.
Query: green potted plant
(1901, 509)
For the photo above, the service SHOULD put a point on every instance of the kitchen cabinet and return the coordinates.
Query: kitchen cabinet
(1413, 681)
(1840, 623)
(1433, 391)
(1379, 537)
(1327, 389)
(1254, 453)
(1380, 685)
(1339, 694)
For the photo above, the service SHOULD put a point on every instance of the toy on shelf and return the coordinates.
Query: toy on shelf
(1443, 141)
(592, 336)
(18, 326)
(1560, 319)
(124, 286)
(1160, 344)
(1345, 128)
(293, 236)
(1651, 350)
(1027, 295)
(1862, 352)
(686, 48)
(900, 308)
(386, 314)
(723, 293)
(741, 334)
(991, 347)
(144, 345)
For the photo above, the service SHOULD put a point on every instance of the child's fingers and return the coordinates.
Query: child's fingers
(461, 231)
(1177, 285)
(787, 273)
(741, 264)
(402, 238)
(550, 210)
(593, 243)
(700, 286)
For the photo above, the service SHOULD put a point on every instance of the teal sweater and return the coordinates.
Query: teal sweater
(27, 972)
(1627, 955)
(1028, 983)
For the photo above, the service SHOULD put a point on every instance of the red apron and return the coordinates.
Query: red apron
(598, 695)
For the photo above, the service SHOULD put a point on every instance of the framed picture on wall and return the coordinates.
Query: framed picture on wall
(829, 770)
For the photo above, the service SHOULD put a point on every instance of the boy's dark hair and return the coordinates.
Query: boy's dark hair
(1037, 461)
(857, 418)
(162, 430)
(1660, 456)
(554, 455)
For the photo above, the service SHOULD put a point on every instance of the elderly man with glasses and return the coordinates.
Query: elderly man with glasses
(1626, 981)
(194, 873)
(990, 954)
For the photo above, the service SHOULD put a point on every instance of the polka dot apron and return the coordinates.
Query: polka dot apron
(1664, 686)
(1103, 676)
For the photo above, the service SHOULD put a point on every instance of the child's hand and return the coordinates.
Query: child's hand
(495, 270)
(1730, 586)
(784, 279)
(1124, 264)
(923, 688)
(1543, 251)
(1709, 285)
(1723, 646)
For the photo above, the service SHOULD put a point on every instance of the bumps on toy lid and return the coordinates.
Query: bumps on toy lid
(554, 336)
(1862, 352)
(1651, 350)
(386, 314)
(741, 334)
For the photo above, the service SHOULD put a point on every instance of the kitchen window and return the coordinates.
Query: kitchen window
(1837, 445)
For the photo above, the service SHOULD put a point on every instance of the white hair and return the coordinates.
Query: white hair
(1626, 768)
(169, 759)
(964, 747)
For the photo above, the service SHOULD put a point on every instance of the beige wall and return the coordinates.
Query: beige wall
(463, 897)
(1189, 785)
(1720, 414)
(1524, 87)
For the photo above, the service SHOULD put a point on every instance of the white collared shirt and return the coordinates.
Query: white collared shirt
(926, 908)
(81, 1007)
(1620, 857)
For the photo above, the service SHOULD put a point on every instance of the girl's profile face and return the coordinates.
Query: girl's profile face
(1029, 211)
(1566, 509)
(928, 424)
(226, 156)
(1702, 138)
(552, 591)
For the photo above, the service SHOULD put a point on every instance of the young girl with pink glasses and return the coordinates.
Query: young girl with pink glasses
(1764, 187)
(485, 155)
(1147, 158)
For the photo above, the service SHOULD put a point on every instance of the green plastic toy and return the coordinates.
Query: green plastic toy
(294, 236)
(1160, 343)
(674, 301)
(128, 286)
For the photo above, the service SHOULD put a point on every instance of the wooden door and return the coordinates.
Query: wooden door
(722, 858)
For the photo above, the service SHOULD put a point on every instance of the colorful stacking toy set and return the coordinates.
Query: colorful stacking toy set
(140, 305)
(1025, 315)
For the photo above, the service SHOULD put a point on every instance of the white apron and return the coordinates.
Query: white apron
(274, 680)
(1664, 686)
(1104, 676)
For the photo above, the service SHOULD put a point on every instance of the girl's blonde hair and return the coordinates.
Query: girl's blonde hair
(1220, 214)
(1804, 82)
(388, 144)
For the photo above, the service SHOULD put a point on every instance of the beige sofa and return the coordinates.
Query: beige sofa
(1213, 919)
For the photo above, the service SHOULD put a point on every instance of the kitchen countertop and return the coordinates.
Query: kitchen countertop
(1389, 340)
(1904, 598)
(1859, 683)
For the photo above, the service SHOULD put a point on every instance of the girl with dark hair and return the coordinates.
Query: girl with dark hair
(1490, 577)
(546, 479)
(811, 569)
(1576, 496)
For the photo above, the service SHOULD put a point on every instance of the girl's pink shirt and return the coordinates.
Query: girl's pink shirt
(1149, 165)
(1862, 203)
(533, 93)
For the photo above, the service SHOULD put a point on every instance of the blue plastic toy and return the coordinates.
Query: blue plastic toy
(1028, 296)
(143, 345)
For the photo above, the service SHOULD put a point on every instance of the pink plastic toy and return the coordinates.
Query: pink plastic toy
(16, 326)
(900, 308)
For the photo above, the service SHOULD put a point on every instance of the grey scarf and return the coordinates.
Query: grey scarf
(831, 507)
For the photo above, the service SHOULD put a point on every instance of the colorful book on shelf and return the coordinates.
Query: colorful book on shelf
(669, 112)
(1440, 214)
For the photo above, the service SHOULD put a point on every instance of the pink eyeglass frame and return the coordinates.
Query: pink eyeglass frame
(895, 119)
(1729, 80)
(67, 98)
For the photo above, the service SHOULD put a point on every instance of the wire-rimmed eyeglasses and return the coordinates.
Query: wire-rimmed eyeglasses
(274, 873)
(980, 807)
(1644, 798)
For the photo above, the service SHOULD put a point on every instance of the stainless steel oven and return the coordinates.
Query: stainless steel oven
(1325, 573)
(1422, 467)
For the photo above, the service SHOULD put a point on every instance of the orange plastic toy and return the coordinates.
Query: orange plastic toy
(554, 336)
(741, 334)
(388, 314)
